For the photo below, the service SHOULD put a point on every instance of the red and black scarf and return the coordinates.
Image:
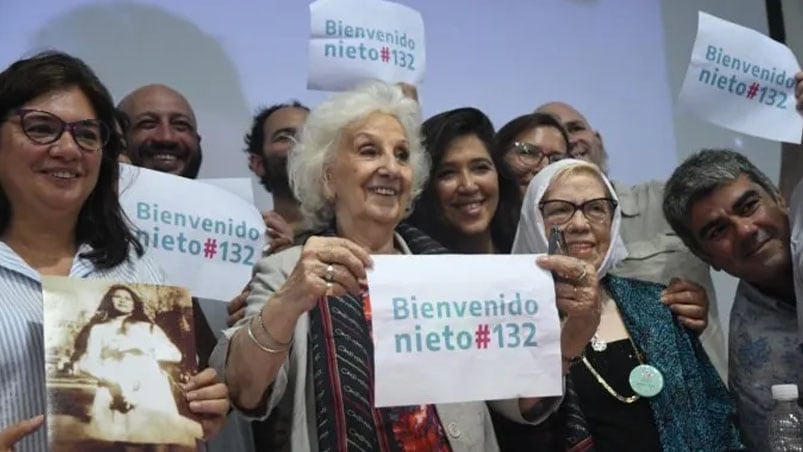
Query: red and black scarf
(343, 378)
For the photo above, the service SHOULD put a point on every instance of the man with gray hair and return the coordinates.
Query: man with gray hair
(655, 253)
(733, 217)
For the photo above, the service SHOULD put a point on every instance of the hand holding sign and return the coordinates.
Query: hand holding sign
(280, 234)
(741, 79)
(577, 296)
(328, 266)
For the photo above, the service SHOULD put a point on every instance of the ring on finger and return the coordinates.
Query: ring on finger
(329, 276)
(582, 275)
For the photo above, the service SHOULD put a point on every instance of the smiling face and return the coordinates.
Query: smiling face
(741, 229)
(585, 143)
(122, 301)
(586, 239)
(39, 179)
(467, 186)
(369, 180)
(162, 135)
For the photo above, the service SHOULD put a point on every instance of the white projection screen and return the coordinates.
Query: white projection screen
(619, 62)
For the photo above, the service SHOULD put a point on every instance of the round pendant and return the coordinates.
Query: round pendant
(646, 380)
(597, 344)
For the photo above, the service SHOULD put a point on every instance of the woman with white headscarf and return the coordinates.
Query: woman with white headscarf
(642, 382)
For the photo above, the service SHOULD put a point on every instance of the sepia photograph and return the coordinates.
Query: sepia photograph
(117, 355)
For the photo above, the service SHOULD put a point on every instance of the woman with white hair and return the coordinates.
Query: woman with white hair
(305, 345)
(643, 381)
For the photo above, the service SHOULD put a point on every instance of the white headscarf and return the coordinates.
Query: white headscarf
(530, 235)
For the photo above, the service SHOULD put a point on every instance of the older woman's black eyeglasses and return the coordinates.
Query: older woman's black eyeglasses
(43, 127)
(558, 211)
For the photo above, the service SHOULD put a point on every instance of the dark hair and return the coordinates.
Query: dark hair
(507, 134)
(106, 312)
(101, 221)
(438, 132)
(255, 139)
(697, 177)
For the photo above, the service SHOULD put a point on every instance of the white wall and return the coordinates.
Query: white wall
(503, 57)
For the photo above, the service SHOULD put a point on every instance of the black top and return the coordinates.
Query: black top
(614, 425)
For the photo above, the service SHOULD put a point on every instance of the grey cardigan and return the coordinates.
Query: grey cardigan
(467, 425)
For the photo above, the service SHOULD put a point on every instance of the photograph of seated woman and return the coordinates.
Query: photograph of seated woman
(610, 402)
(129, 356)
(469, 204)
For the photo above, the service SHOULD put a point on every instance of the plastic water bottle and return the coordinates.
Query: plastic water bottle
(785, 425)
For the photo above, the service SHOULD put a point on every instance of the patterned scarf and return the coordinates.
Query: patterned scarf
(343, 378)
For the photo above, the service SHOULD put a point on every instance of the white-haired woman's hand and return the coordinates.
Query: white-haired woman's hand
(330, 266)
(578, 299)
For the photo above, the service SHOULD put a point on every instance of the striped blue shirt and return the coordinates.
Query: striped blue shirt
(22, 352)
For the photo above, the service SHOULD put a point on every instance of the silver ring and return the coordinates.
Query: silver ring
(329, 276)
(328, 285)
(582, 275)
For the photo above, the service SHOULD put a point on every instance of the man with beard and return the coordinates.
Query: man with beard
(162, 131)
(655, 253)
(272, 135)
(731, 215)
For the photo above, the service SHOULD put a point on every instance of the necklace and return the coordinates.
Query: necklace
(602, 381)
(597, 344)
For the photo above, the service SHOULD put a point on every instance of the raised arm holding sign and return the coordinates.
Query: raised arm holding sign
(742, 80)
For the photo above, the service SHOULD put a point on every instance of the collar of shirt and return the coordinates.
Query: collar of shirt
(627, 201)
(10, 260)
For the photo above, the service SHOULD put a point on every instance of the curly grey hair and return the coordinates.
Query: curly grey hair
(320, 136)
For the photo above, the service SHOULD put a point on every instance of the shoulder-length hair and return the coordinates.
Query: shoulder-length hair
(320, 136)
(106, 312)
(101, 221)
(439, 132)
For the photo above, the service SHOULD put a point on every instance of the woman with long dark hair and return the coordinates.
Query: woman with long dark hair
(60, 215)
(123, 349)
(470, 203)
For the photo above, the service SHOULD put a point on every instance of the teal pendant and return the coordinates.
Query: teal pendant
(646, 380)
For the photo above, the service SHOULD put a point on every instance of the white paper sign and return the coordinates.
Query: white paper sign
(742, 80)
(204, 237)
(463, 328)
(356, 40)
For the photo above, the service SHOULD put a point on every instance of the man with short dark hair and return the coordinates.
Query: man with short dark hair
(161, 132)
(655, 253)
(273, 134)
(734, 218)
